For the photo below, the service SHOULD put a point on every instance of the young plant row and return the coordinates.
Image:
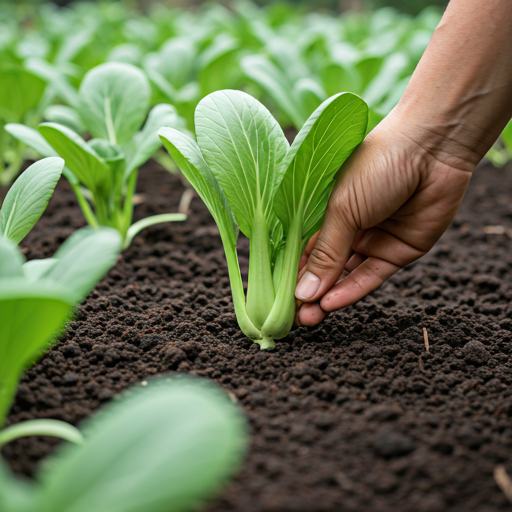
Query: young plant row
(187, 435)
(288, 60)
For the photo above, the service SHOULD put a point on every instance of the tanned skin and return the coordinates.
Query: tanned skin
(400, 190)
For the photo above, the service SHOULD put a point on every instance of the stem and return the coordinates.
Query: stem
(237, 291)
(102, 210)
(110, 125)
(260, 287)
(54, 428)
(127, 215)
(86, 208)
(278, 268)
(266, 343)
(280, 319)
(138, 226)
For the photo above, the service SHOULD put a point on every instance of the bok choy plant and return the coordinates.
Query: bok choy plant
(20, 94)
(36, 296)
(249, 177)
(27, 199)
(113, 104)
(164, 447)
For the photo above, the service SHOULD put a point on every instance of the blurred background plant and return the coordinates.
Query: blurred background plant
(289, 55)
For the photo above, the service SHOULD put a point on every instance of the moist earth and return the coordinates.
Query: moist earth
(353, 415)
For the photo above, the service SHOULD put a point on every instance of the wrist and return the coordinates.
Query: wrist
(458, 100)
(440, 135)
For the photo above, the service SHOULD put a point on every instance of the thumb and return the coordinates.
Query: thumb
(327, 257)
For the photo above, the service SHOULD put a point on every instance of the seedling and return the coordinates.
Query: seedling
(250, 178)
(113, 104)
(37, 296)
(182, 72)
(168, 447)
(27, 199)
(20, 93)
(298, 92)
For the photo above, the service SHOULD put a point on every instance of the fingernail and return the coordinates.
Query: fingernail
(307, 287)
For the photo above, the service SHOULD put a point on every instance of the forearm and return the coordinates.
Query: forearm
(460, 96)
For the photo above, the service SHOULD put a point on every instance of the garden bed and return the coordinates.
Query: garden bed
(353, 415)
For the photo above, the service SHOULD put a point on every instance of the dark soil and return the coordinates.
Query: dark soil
(353, 415)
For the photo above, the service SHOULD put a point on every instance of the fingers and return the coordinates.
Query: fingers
(307, 251)
(368, 276)
(310, 314)
(327, 258)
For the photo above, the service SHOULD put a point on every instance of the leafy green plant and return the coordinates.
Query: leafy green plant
(182, 73)
(249, 177)
(20, 94)
(28, 197)
(37, 296)
(113, 102)
(298, 90)
(165, 447)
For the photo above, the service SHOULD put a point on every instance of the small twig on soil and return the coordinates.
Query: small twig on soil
(420, 362)
(503, 481)
(425, 337)
(138, 199)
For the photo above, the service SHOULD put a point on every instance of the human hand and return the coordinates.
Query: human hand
(394, 198)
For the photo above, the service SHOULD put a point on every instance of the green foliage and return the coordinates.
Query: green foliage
(113, 102)
(27, 198)
(36, 296)
(167, 447)
(243, 168)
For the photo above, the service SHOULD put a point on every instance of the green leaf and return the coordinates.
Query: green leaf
(218, 66)
(21, 90)
(11, 259)
(332, 132)
(27, 198)
(309, 93)
(147, 140)
(29, 315)
(174, 61)
(72, 44)
(163, 85)
(35, 140)
(387, 78)
(54, 428)
(114, 101)
(129, 53)
(81, 159)
(188, 157)
(16, 495)
(54, 76)
(66, 116)
(188, 437)
(244, 146)
(276, 84)
(506, 136)
(33, 270)
(337, 77)
(83, 259)
(31, 137)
